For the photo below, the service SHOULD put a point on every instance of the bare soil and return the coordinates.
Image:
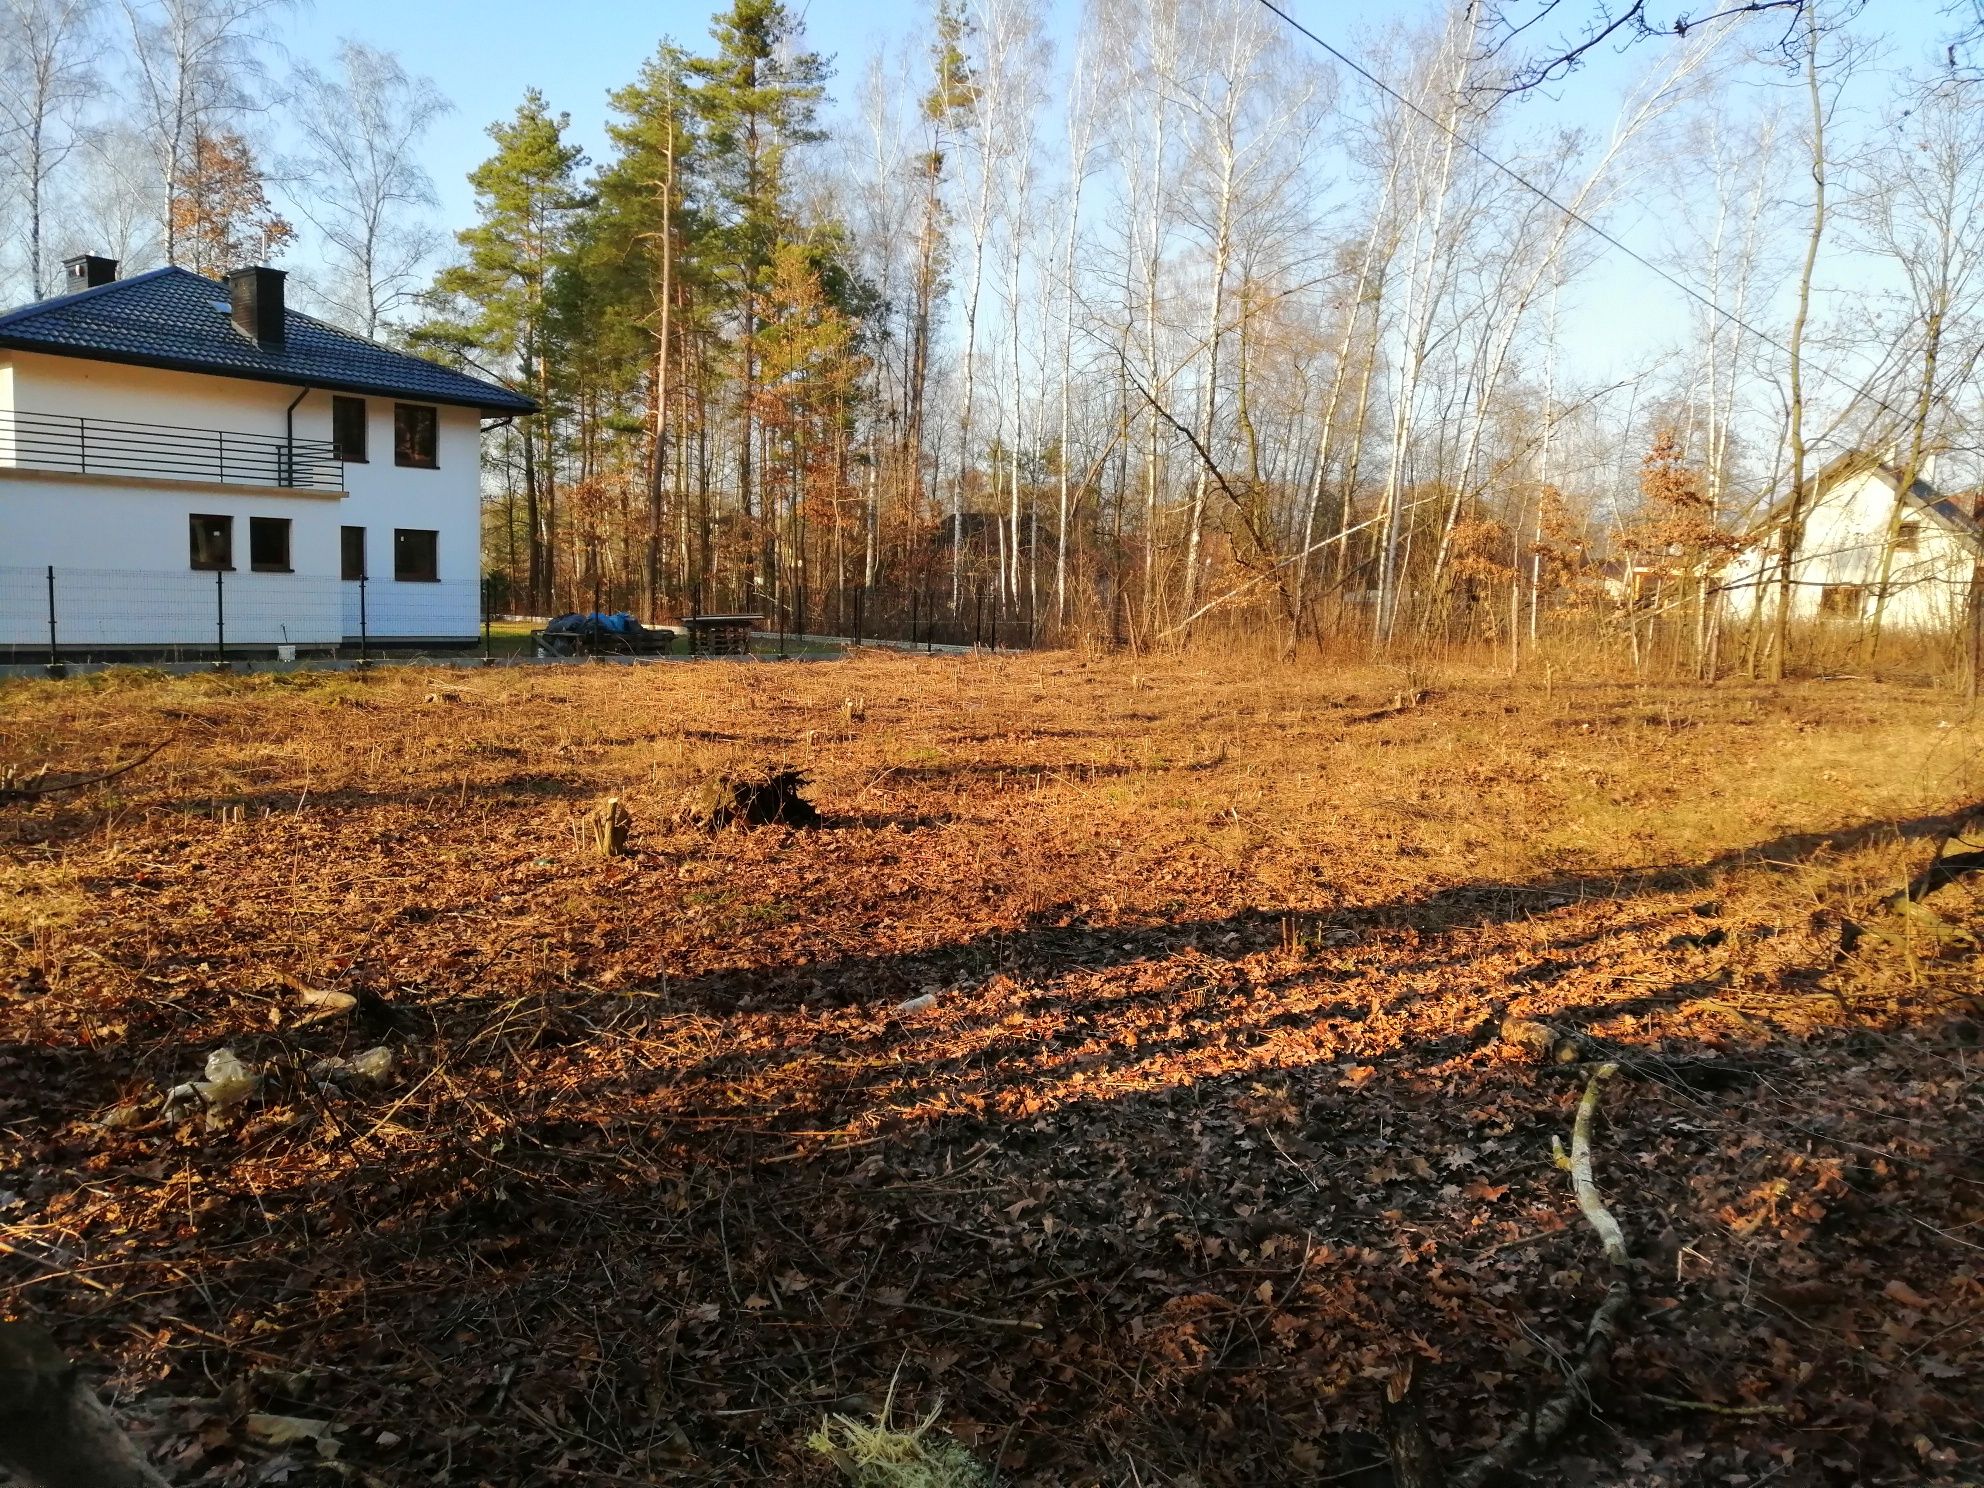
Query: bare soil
(1206, 1128)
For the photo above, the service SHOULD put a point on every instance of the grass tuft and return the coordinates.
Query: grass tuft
(880, 1456)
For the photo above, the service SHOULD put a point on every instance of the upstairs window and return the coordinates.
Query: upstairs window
(415, 426)
(268, 544)
(213, 542)
(1908, 537)
(352, 542)
(416, 554)
(348, 430)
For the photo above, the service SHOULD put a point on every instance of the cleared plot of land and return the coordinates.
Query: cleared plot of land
(1208, 1128)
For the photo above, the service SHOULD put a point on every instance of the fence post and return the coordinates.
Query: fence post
(83, 444)
(487, 659)
(55, 667)
(364, 635)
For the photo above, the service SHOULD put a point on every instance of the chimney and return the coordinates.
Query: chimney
(87, 271)
(255, 299)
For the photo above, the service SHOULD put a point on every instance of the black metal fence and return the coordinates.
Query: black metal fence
(99, 446)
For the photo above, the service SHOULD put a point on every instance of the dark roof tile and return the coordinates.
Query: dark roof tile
(174, 318)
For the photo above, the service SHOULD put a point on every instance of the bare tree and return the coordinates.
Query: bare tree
(1081, 145)
(195, 64)
(359, 182)
(111, 202)
(1431, 197)
(1563, 40)
(1922, 207)
(1792, 533)
(45, 77)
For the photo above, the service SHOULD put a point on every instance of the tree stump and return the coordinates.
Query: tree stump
(606, 829)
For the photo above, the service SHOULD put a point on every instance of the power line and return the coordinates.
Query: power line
(1571, 212)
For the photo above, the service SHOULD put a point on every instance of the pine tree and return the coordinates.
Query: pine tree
(648, 238)
(758, 98)
(526, 197)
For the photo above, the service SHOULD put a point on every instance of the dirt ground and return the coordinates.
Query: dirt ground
(1206, 1129)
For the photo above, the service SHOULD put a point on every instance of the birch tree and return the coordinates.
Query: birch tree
(1922, 208)
(359, 182)
(47, 72)
(196, 65)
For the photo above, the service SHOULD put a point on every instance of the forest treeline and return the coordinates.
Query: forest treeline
(1168, 326)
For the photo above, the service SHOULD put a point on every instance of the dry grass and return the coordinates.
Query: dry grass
(1192, 1141)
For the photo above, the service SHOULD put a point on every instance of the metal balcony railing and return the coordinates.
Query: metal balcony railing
(100, 446)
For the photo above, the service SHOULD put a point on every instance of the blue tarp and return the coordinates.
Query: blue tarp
(595, 624)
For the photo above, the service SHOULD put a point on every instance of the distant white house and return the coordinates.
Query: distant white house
(186, 463)
(1852, 509)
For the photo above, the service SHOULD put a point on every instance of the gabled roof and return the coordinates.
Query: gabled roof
(177, 319)
(1946, 511)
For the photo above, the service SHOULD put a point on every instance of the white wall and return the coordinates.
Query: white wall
(126, 541)
(1846, 529)
(381, 496)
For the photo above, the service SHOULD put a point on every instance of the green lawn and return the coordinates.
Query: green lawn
(512, 638)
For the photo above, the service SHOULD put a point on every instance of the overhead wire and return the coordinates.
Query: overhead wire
(1572, 213)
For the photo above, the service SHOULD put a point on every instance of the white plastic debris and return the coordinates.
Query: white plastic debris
(318, 1006)
(373, 1064)
(918, 1003)
(229, 1082)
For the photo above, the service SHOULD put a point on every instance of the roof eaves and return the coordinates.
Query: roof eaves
(504, 402)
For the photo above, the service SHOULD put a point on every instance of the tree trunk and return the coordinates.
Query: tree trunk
(1792, 536)
(54, 1432)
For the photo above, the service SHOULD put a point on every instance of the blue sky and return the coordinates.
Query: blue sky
(484, 53)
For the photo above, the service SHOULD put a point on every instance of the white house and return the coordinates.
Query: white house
(1853, 512)
(186, 464)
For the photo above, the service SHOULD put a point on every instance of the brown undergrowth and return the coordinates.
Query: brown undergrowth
(1197, 1125)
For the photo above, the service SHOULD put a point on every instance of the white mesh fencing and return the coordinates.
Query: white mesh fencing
(198, 613)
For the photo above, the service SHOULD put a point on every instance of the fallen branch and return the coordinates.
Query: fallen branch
(1555, 1415)
(13, 793)
(1578, 1165)
(1711, 1407)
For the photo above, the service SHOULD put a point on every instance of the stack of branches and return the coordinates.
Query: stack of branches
(766, 797)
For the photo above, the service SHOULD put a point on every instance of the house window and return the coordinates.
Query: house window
(1842, 601)
(213, 542)
(1908, 537)
(348, 430)
(268, 544)
(353, 542)
(415, 557)
(414, 427)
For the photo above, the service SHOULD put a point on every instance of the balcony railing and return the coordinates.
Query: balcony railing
(100, 446)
